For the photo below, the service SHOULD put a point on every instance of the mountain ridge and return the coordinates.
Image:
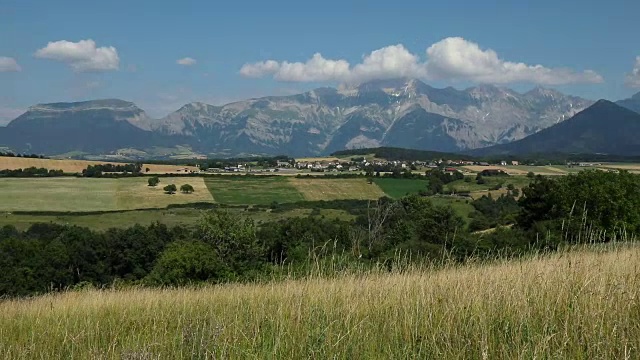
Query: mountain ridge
(329, 119)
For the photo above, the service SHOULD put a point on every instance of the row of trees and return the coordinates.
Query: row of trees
(31, 156)
(31, 172)
(171, 188)
(101, 170)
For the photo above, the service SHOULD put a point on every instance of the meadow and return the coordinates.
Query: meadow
(580, 304)
(337, 189)
(397, 188)
(95, 194)
(260, 190)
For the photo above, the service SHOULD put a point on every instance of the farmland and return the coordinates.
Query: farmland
(580, 304)
(76, 166)
(252, 190)
(397, 188)
(170, 217)
(337, 189)
(82, 194)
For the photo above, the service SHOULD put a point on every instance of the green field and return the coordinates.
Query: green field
(170, 217)
(259, 190)
(397, 188)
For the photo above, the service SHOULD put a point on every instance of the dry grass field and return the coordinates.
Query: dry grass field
(336, 189)
(88, 194)
(583, 304)
(633, 168)
(516, 170)
(76, 166)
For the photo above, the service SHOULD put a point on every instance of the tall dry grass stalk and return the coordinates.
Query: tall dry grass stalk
(579, 304)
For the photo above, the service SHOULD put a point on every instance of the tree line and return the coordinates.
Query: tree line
(31, 172)
(102, 170)
(31, 156)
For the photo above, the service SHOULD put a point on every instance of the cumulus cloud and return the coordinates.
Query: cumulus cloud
(186, 61)
(633, 78)
(458, 59)
(451, 59)
(8, 64)
(260, 69)
(82, 55)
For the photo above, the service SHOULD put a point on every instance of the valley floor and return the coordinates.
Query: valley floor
(580, 304)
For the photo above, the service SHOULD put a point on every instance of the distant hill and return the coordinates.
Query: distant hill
(603, 128)
(633, 103)
(401, 154)
(97, 127)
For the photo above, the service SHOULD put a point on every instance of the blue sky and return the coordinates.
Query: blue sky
(586, 48)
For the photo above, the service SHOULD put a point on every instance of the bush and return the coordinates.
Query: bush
(186, 189)
(185, 262)
(154, 181)
(170, 189)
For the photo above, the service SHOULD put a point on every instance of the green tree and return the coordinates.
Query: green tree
(154, 181)
(184, 262)
(234, 240)
(170, 189)
(186, 189)
(594, 200)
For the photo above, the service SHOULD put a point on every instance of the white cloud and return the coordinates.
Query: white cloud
(186, 61)
(452, 59)
(633, 78)
(458, 59)
(260, 69)
(389, 62)
(8, 64)
(82, 55)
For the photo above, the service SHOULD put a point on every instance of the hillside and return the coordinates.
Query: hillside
(401, 154)
(571, 305)
(632, 103)
(399, 112)
(604, 128)
(96, 127)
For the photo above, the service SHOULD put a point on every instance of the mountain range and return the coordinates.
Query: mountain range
(401, 112)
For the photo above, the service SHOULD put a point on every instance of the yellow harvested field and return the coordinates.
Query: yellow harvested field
(478, 168)
(76, 166)
(628, 167)
(136, 195)
(337, 189)
(91, 194)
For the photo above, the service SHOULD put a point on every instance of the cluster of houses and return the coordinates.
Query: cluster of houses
(351, 165)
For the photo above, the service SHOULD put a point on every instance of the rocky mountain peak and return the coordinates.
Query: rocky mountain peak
(489, 91)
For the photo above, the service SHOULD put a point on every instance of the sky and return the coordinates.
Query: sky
(164, 54)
